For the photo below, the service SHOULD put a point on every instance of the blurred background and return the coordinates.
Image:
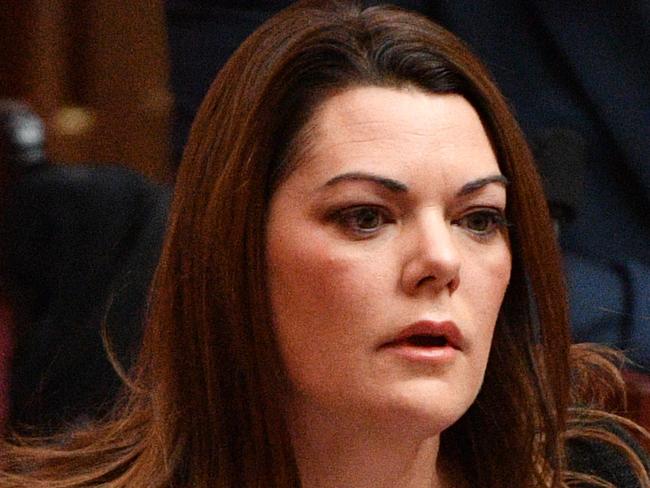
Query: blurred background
(97, 72)
(85, 181)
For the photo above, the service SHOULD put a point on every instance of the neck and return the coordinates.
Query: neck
(332, 452)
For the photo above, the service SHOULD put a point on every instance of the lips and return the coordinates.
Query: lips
(429, 335)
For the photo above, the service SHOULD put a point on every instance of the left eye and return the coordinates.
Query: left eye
(482, 222)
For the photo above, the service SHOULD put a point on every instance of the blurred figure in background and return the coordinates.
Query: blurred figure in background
(79, 244)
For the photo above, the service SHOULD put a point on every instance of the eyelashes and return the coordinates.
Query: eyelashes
(366, 221)
(362, 220)
(483, 223)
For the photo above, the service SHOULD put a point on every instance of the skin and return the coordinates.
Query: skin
(385, 220)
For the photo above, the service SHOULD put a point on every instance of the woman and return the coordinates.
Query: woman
(340, 300)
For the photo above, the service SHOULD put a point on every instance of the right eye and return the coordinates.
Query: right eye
(363, 220)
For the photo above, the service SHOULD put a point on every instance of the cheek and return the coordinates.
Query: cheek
(491, 284)
(309, 315)
(317, 285)
(485, 277)
(302, 273)
(488, 274)
(324, 295)
(302, 279)
(492, 293)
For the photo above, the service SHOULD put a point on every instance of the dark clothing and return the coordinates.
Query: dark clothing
(607, 462)
(80, 244)
(580, 65)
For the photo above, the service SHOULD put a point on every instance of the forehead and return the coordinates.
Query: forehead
(395, 131)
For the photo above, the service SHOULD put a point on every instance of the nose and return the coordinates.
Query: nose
(433, 259)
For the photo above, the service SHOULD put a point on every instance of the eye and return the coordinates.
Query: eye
(363, 220)
(483, 223)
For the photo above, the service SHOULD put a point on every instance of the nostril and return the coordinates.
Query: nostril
(451, 283)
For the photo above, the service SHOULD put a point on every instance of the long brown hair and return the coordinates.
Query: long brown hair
(204, 405)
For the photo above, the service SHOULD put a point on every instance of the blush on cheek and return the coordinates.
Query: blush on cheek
(299, 275)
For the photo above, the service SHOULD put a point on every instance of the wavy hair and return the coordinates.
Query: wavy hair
(203, 407)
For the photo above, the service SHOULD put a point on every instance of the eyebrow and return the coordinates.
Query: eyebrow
(399, 187)
(475, 185)
(390, 184)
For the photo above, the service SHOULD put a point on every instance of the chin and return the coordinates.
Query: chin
(426, 410)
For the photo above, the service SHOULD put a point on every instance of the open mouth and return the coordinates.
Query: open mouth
(429, 335)
(429, 342)
(425, 340)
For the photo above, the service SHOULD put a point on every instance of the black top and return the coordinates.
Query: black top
(79, 245)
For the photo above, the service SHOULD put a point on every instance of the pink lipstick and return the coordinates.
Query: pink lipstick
(428, 341)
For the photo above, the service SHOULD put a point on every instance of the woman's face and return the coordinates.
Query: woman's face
(388, 257)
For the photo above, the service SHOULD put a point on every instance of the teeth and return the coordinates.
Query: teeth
(427, 341)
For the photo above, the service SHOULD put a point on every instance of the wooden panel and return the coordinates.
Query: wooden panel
(97, 72)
